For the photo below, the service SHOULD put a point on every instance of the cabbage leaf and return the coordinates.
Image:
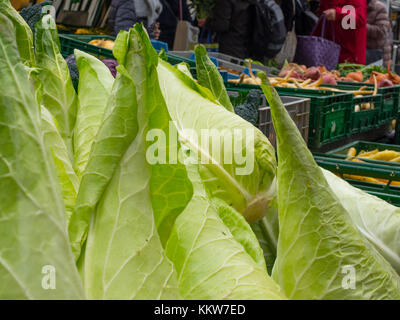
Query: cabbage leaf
(95, 85)
(376, 219)
(33, 226)
(318, 242)
(59, 96)
(23, 32)
(209, 77)
(245, 186)
(210, 262)
(65, 172)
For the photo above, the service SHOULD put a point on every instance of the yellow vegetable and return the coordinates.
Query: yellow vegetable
(367, 154)
(352, 152)
(386, 155)
(360, 178)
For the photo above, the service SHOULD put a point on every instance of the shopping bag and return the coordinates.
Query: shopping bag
(317, 50)
(186, 36)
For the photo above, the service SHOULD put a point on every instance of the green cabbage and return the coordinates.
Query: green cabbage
(377, 220)
(65, 172)
(23, 32)
(94, 89)
(59, 96)
(209, 77)
(246, 187)
(33, 226)
(318, 242)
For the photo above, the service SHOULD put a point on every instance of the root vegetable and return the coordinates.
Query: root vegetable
(329, 79)
(356, 76)
(312, 73)
(385, 83)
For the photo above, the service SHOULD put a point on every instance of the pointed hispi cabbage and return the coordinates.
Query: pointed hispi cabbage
(376, 219)
(95, 84)
(170, 187)
(23, 33)
(65, 172)
(59, 96)
(35, 257)
(124, 258)
(117, 131)
(237, 161)
(209, 77)
(321, 254)
(210, 261)
(137, 206)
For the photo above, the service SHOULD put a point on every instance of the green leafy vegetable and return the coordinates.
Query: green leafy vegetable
(24, 36)
(138, 196)
(210, 262)
(318, 241)
(209, 77)
(117, 131)
(246, 185)
(249, 109)
(376, 219)
(57, 148)
(34, 240)
(94, 89)
(59, 95)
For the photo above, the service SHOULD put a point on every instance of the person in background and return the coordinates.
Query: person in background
(353, 42)
(230, 19)
(378, 33)
(169, 19)
(125, 13)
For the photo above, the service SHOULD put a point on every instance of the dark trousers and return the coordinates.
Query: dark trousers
(374, 55)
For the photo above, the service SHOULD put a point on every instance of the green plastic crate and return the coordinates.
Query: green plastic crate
(330, 115)
(366, 120)
(367, 146)
(298, 109)
(335, 161)
(69, 42)
(391, 99)
(330, 112)
(363, 120)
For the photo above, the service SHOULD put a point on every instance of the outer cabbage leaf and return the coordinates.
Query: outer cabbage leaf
(124, 258)
(23, 33)
(317, 239)
(59, 95)
(117, 131)
(32, 219)
(65, 172)
(170, 186)
(209, 77)
(141, 200)
(247, 186)
(210, 262)
(376, 219)
(240, 230)
(95, 85)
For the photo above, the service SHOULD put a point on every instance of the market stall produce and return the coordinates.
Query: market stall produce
(111, 186)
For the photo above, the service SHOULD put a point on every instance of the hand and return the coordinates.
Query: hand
(201, 22)
(330, 14)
